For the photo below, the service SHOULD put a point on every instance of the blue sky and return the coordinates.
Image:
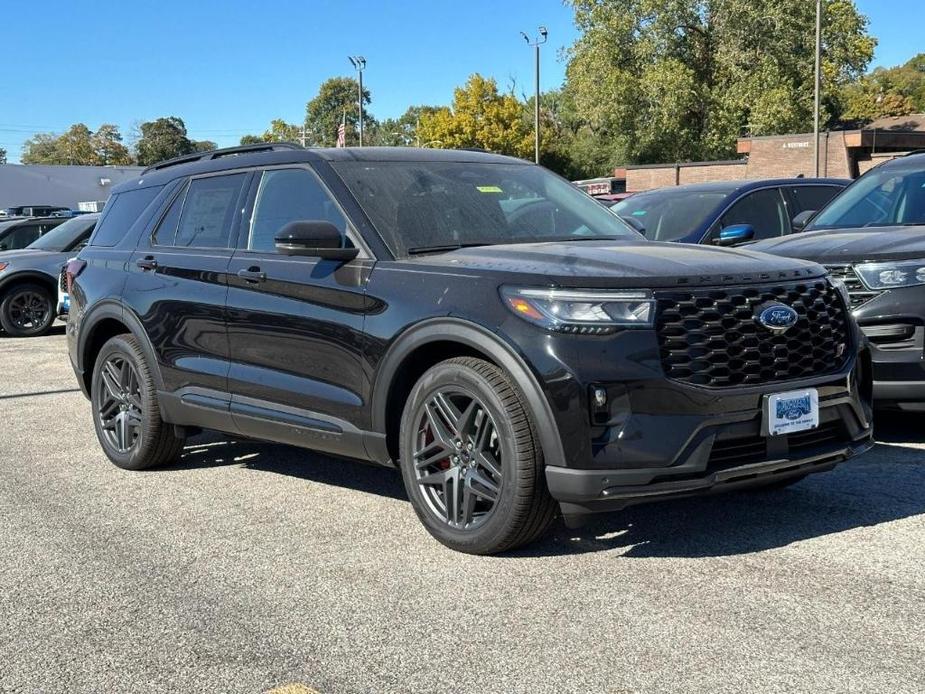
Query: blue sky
(227, 67)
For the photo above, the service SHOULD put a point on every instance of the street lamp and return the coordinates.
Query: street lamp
(359, 64)
(536, 42)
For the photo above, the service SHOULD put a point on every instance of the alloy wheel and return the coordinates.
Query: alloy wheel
(28, 310)
(118, 403)
(457, 459)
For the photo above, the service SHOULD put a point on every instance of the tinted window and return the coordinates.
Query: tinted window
(425, 205)
(813, 197)
(166, 231)
(287, 195)
(121, 213)
(66, 236)
(670, 214)
(20, 237)
(764, 210)
(208, 211)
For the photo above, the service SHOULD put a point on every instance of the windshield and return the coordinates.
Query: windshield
(63, 236)
(670, 214)
(892, 196)
(430, 206)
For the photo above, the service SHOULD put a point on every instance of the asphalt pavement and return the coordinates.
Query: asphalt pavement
(249, 566)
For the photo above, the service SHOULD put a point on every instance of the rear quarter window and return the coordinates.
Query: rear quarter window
(121, 213)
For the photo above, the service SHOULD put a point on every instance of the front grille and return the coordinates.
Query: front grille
(858, 293)
(709, 337)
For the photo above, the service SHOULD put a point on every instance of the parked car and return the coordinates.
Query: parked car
(38, 211)
(20, 232)
(726, 213)
(29, 277)
(512, 360)
(872, 237)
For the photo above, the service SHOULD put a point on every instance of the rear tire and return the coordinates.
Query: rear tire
(126, 414)
(27, 310)
(470, 459)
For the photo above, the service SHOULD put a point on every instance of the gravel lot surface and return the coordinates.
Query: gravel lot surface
(250, 566)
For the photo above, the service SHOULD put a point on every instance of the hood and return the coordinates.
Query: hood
(625, 263)
(849, 245)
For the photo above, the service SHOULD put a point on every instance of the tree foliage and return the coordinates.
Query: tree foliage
(895, 91)
(2, 156)
(279, 131)
(479, 117)
(165, 138)
(676, 80)
(78, 145)
(337, 100)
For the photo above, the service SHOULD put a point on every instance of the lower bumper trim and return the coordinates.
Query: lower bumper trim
(593, 491)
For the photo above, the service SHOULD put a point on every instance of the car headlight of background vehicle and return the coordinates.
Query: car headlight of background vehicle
(591, 312)
(900, 273)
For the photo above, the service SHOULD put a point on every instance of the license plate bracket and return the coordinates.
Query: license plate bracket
(790, 412)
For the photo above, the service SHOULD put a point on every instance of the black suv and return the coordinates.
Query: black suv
(474, 319)
(872, 237)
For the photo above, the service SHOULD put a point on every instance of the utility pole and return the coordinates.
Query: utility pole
(359, 64)
(818, 82)
(536, 43)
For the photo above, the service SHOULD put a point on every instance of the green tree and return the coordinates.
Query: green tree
(279, 131)
(204, 145)
(675, 80)
(2, 156)
(337, 100)
(401, 131)
(161, 139)
(108, 148)
(895, 91)
(479, 117)
(41, 148)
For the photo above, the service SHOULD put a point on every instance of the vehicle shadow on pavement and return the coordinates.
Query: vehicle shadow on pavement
(216, 450)
(892, 426)
(885, 485)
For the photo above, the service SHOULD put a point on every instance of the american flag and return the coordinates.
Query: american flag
(342, 135)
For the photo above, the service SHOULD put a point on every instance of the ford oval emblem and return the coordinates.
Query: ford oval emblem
(777, 318)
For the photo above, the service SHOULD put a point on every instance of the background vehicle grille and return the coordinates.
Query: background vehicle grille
(856, 290)
(62, 279)
(710, 337)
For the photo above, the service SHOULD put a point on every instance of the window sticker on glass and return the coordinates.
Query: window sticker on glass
(489, 189)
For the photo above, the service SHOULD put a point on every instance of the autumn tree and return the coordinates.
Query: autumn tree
(895, 91)
(108, 148)
(279, 131)
(78, 145)
(676, 80)
(479, 117)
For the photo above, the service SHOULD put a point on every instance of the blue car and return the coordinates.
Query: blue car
(726, 213)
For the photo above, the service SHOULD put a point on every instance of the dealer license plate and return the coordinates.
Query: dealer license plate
(797, 410)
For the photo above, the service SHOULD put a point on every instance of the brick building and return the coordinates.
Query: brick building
(842, 154)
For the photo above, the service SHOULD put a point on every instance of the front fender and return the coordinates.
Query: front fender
(475, 337)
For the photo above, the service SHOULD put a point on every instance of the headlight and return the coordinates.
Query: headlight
(579, 311)
(905, 273)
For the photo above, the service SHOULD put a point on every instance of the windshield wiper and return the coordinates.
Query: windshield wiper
(421, 250)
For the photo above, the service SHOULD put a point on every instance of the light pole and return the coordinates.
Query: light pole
(536, 43)
(359, 64)
(818, 80)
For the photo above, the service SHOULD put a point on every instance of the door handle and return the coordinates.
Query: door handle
(252, 274)
(147, 263)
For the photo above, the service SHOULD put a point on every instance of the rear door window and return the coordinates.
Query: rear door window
(21, 237)
(812, 197)
(204, 214)
(121, 213)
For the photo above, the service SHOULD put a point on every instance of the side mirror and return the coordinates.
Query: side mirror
(735, 234)
(314, 238)
(799, 222)
(635, 223)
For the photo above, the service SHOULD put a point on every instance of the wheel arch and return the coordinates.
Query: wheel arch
(435, 340)
(25, 276)
(104, 321)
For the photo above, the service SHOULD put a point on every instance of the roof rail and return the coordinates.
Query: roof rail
(914, 151)
(219, 153)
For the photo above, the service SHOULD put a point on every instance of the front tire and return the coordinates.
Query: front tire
(27, 311)
(126, 414)
(470, 459)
